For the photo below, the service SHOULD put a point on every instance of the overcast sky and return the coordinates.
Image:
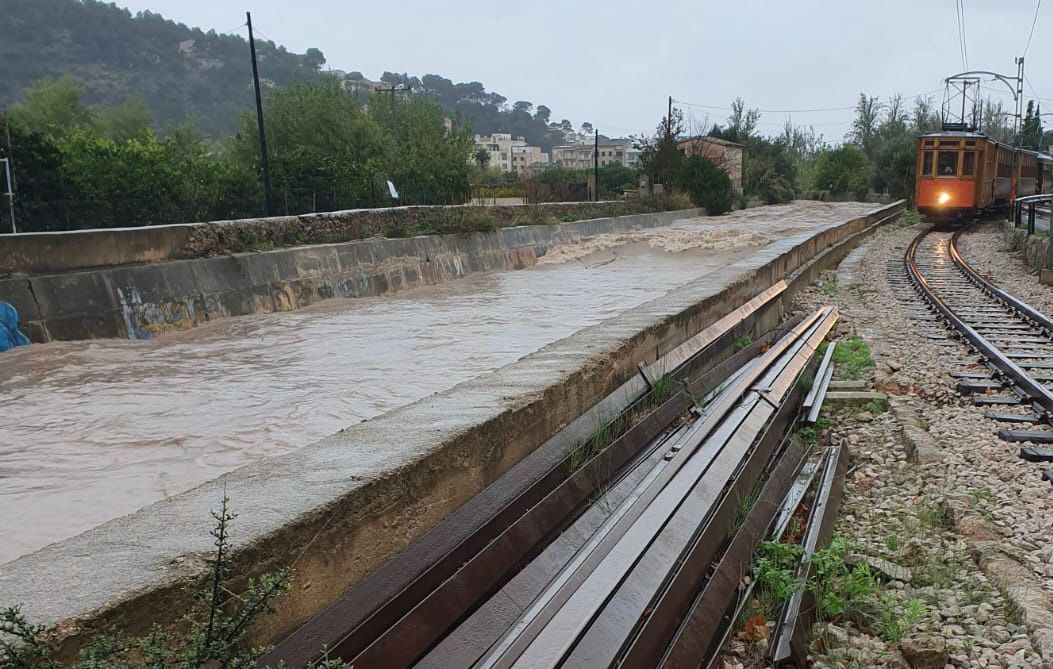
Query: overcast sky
(613, 63)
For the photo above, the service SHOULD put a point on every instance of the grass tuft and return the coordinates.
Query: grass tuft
(852, 358)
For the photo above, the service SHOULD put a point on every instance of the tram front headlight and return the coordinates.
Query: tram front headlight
(944, 198)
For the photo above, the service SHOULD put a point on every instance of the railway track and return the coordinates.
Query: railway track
(629, 554)
(1013, 343)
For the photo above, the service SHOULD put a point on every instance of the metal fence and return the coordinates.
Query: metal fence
(1028, 210)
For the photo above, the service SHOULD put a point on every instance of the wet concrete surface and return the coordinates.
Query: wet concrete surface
(95, 430)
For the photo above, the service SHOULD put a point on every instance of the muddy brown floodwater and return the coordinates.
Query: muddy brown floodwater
(94, 430)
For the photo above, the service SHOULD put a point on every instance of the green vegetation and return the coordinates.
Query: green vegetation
(707, 185)
(830, 286)
(606, 433)
(851, 358)
(745, 341)
(843, 170)
(810, 434)
(842, 591)
(213, 633)
(87, 167)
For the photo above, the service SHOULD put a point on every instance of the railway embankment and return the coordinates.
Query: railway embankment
(339, 508)
(948, 515)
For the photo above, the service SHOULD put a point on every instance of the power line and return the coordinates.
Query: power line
(797, 111)
(1038, 5)
(961, 34)
(965, 40)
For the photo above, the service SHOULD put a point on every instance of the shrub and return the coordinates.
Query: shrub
(842, 170)
(707, 185)
(212, 634)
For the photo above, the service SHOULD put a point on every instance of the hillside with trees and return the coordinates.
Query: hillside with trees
(184, 73)
(179, 71)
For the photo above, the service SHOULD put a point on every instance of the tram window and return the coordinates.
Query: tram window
(926, 164)
(968, 164)
(947, 164)
(971, 142)
(930, 142)
(949, 142)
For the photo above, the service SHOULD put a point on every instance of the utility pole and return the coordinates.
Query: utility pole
(12, 185)
(596, 165)
(669, 113)
(1019, 96)
(10, 193)
(267, 202)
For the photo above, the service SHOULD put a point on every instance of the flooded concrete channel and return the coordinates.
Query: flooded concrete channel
(97, 429)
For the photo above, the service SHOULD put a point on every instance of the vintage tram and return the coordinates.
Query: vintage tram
(960, 174)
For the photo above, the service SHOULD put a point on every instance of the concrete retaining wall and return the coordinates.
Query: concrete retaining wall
(48, 252)
(1034, 248)
(145, 300)
(339, 508)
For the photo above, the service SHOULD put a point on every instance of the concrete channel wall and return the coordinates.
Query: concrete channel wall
(339, 508)
(147, 299)
(29, 254)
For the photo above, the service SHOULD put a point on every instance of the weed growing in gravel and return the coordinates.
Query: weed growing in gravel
(742, 342)
(851, 358)
(876, 406)
(830, 287)
(775, 571)
(934, 516)
(982, 495)
(972, 591)
(910, 217)
(810, 434)
(896, 620)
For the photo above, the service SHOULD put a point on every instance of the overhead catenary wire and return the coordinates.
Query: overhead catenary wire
(797, 111)
(959, 12)
(1038, 5)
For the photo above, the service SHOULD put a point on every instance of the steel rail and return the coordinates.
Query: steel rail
(552, 627)
(1014, 303)
(788, 643)
(993, 356)
(380, 608)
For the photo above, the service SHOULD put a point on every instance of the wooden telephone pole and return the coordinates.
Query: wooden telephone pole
(268, 202)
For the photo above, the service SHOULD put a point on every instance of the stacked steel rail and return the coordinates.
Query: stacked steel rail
(1014, 340)
(628, 556)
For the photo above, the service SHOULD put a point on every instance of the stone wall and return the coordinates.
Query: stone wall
(1034, 248)
(148, 299)
(49, 252)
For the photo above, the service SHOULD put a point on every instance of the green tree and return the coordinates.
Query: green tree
(1031, 129)
(842, 170)
(660, 156)
(121, 123)
(427, 158)
(53, 106)
(324, 149)
(707, 185)
(482, 158)
(865, 125)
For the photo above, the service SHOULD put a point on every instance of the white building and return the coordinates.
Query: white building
(510, 154)
(581, 156)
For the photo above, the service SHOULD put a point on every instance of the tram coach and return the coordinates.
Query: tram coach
(962, 173)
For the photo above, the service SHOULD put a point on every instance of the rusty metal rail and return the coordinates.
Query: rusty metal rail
(619, 560)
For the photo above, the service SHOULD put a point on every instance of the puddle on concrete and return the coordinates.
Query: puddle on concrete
(98, 429)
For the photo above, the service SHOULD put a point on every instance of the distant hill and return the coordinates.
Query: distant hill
(183, 71)
(179, 70)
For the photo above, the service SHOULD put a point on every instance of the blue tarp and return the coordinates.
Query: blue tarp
(10, 337)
